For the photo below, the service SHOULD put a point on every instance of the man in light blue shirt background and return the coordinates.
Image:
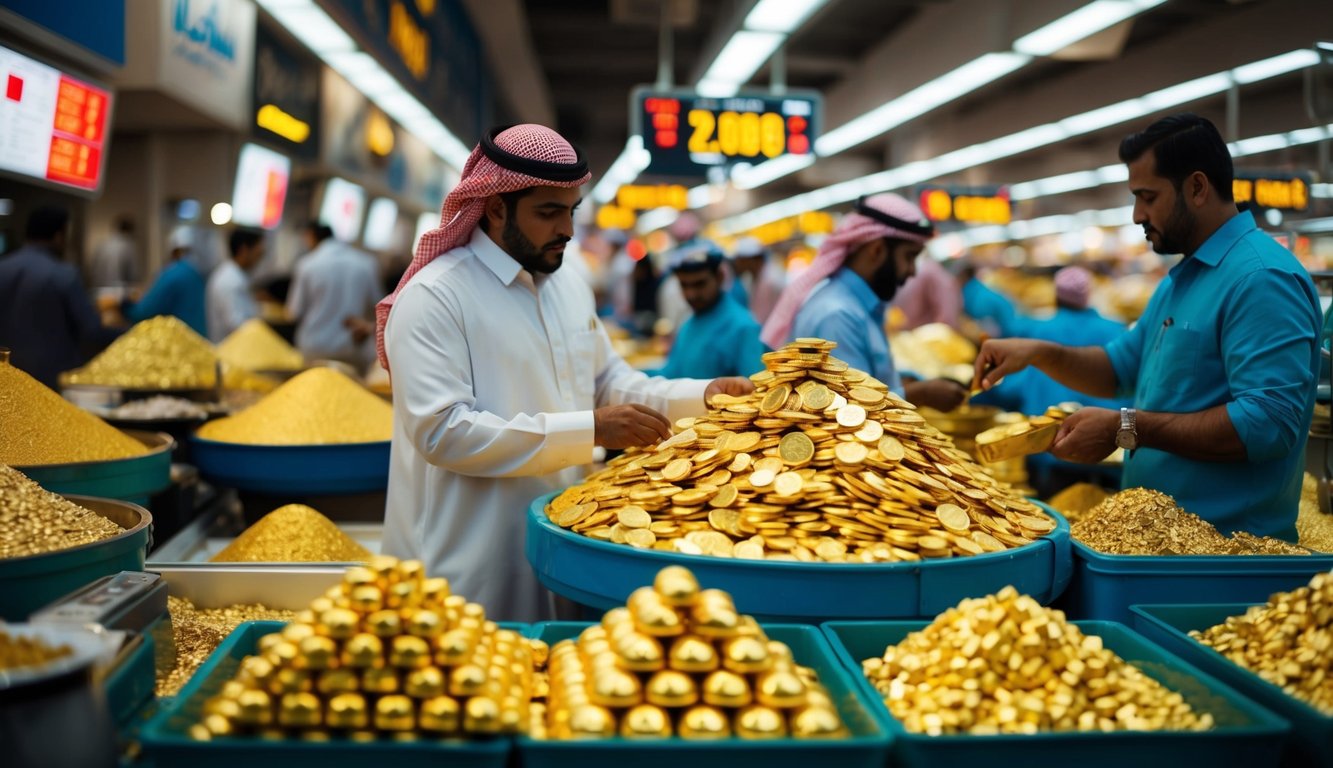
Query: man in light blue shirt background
(720, 337)
(1222, 365)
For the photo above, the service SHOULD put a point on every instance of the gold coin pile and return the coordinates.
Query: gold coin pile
(1139, 521)
(294, 533)
(34, 521)
(1004, 664)
(319, 407)
(254, 346)
(680, 661)
(38, 426)
(21, 651)
(197, 632)
(387, 653)
(1288, 641)
(159, 353)
(820, 463)
(1073, 502)
(1314, 526)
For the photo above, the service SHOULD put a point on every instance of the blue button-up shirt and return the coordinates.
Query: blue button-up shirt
(179, 290)
(724, 341)
(846, 310)
(987, 305)
(1237, 324)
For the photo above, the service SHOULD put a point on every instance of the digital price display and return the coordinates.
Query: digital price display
(52, 126)
(686, 134)
(1283, 191)
(966, 205)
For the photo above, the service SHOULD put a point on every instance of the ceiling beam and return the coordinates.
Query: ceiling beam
(511, 59)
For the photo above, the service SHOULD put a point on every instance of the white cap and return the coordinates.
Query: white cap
(748, 246)
(182, 237)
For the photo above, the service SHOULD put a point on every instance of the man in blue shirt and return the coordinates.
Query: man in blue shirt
(990, 308)
(1222, 365)
(46, 318)
(179, 288)
(719, 338)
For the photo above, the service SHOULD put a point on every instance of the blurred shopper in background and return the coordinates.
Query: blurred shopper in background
(114, 262)
(332, 299)
(993, 311)
(757, 280)
(230, 296)
(719, 338)
(932, 296)
(180, 287)
(46, 318)
(843, 294)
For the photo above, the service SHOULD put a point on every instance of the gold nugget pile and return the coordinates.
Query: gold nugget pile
(1139, 521)
(22, 651)
(158, 353)
(197, 632)
(293, 533)
(1313, 525)
(1005, 664)
(38, 426)
(254, 346)
(1075, 501)
(34, 521)
(1288, 641)
(319, 407)
(820, 463)
(680, 661)
(387, 653)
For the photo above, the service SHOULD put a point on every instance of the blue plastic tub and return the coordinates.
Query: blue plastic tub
(134, 479)
(867, 747)
(1246, 735)
(601, 575)
(1105, 586)
(166, 742)
(1169, 625)
(294, 469)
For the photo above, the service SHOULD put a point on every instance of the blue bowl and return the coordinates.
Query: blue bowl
(134, 479)
(294, 469)
(601, 575)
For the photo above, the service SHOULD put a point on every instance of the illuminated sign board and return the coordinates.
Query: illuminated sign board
(1283, 191)
(341, 209)
(53, 126)
(645, 197)
(261, 187)
(966, 205)
(381, 219)
(686, 134)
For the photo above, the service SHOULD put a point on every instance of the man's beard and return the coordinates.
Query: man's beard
(529, 256)
(1173, 237)
(884, 282)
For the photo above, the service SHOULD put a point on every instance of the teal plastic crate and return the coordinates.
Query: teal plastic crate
(166, 743)
(601, 575)
(1104, 586)
(867, 747)
(1169, 625)
(1246, 735)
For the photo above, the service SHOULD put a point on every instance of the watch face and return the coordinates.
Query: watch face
(1125, 439)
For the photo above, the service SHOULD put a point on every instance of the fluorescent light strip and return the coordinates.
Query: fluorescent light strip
(997, 149)
(322, 35)
(655, 219)
(625, 169)
(742, 56)
(785, 16)
(1079, 25)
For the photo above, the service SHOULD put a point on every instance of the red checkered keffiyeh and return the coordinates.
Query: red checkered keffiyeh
(506, 160)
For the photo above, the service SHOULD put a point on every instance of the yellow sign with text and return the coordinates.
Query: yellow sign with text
(1286, 194)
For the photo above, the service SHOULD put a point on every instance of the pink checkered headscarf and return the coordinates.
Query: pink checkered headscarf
(507, 159)
(884, 215)
(1073, 286)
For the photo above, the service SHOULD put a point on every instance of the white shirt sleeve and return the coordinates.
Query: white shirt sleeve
(296, 294)
(433, 398)
(618, 383)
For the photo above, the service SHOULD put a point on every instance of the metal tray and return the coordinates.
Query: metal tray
(288, 588)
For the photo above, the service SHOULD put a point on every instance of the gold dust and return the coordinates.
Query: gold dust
(158, 353)
(34, 521)
(319, 407)
(293, 534)
(254, 346)
(1138, 521)
(199, 631)
(38, 426)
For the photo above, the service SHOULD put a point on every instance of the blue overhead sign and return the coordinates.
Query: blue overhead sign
(97, 25)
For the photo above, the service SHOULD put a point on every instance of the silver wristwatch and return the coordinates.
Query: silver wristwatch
(1127, 436)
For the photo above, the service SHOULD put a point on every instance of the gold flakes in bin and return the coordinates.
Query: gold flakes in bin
(159, 353)
(318, 407)
(1314, 526)
(820, 463)
(293, 533)
(198, 631)
(387, 653)
(38, 426)
(1138, 521)
(679, 660)
(1288, 641)
(19, 651)
(254, 346)
(1005, 664)
(34, 521)
(1073, 502)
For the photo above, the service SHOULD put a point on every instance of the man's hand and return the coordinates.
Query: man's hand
(1086, 436)
(361, 328)
(941, 394)
(628, 426)
(737, 386)
(1000, 357)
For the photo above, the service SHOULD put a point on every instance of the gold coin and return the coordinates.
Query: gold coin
(633, 517)
(745, 441)
(818, 398)
(677, 470)
(641, 538)
(953, 517)
(775, 399)
(865, 395)
(748, 550)
(796, 448)
(851, 453)
(830, 549)
(761, 478)
(891, 449)
(724, 520)
(851, 415)
(788, 484)
(740, 463)
(726, 496)
(769, 462)
(870, 432)
(988, 542)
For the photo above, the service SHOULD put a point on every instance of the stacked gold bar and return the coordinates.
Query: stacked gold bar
(680, 661)
(1004, 664)
(1288, 641)
(820, 463)
(387, 653)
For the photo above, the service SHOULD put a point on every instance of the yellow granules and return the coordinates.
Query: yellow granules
(159, 353)
(318, 407)
(254, 346)
(37, 426)
(34, 521)
(293, 534)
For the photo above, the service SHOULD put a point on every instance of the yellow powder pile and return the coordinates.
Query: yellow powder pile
(159, 353)
(293, 534)
(1077, 499)
(256, 347)
(37, 426)
(34, 521)
(318, 407)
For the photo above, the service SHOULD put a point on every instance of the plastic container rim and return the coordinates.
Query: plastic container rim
(157, 443)
(145, 520)
(287, 447)
(1092, 556)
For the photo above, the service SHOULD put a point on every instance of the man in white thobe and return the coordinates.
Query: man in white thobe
(229, 299)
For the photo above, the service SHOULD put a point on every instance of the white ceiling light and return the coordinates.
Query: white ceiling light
(1085, 22)
(759, 175)
(308, 23)
(785, 16)
(625, 169)
(1278, 65)
(742, 56)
